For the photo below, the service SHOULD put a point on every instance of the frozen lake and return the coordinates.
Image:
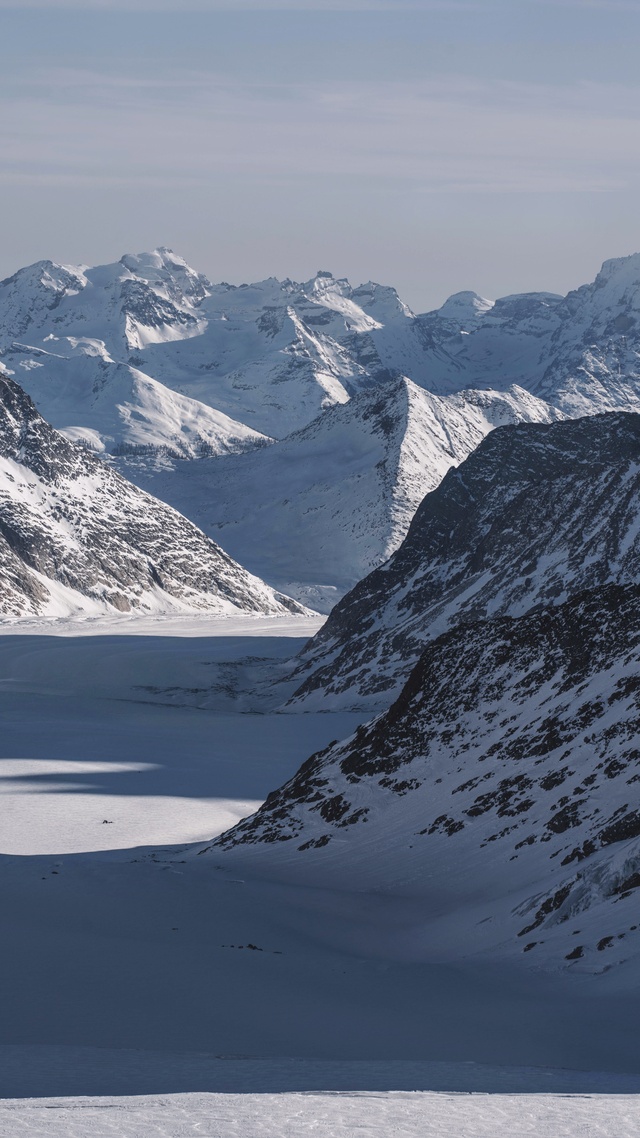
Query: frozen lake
(145, 990)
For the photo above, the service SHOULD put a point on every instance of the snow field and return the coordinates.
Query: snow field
(331, 1115)
(129, 965)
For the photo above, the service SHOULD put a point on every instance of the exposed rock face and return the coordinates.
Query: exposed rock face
(497, 794)
(537, 513)
(76, 537)
(501, 788)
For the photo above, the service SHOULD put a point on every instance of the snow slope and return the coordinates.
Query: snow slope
(317, 511)
(113, 941)
(338, 1114)
(75, 537)
(498, 793)
(537, 513)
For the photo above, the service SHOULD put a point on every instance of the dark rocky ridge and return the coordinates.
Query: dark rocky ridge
(537, 513)
(504, 776)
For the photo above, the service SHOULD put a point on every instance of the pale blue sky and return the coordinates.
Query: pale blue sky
(435, 145)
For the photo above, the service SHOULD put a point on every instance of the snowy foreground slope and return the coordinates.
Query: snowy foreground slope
(76, 537)
(336, 1114)
(536, 514)
(335, 499)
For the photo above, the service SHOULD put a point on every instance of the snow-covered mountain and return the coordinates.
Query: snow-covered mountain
(497, 794)
(149, 363)
(495, 799)
(92, 344)
(537, 513)
(581, 352)
(75, 537)
(319, 510)
(70, 335)
(89, 342)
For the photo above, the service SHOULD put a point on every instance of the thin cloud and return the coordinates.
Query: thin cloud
(453, 135)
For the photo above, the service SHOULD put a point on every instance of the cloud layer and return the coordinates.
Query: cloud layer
(72, 127)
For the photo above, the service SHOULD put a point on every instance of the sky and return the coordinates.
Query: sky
(435, 145)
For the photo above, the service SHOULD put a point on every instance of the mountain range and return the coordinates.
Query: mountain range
(151, 365)
(335, 499)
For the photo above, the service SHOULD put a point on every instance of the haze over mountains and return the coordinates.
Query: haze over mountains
(150, 364)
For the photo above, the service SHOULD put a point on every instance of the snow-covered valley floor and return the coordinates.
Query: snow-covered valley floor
(145, 991)
(329, 1115)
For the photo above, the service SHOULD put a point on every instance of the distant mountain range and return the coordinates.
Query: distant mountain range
(151, 365)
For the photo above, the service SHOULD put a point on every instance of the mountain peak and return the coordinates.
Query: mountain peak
(49, 274)
(466, 308)
(158, 260)
(628, 266)
(76, 537)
